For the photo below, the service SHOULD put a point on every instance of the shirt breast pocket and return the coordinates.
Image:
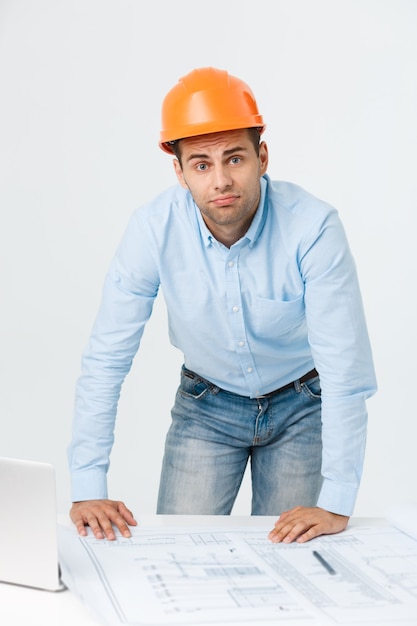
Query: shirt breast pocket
(273, 318)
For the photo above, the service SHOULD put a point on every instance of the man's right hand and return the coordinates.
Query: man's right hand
(102, 516)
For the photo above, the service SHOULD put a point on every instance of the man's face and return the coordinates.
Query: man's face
(222, 172)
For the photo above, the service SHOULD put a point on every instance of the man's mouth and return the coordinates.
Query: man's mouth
(225, 200)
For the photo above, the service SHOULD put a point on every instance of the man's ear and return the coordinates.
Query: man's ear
(180, 175)
(263, 157)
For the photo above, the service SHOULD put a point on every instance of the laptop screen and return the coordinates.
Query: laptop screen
(28, 524)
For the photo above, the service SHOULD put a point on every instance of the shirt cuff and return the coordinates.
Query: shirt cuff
(337, 498)
(88, 485)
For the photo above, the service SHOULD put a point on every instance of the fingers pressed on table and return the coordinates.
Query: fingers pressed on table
(103, 516)
(303, 523)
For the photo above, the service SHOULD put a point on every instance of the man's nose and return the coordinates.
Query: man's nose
(221, 177)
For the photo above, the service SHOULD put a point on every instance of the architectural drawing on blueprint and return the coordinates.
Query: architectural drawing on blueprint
(181, 576)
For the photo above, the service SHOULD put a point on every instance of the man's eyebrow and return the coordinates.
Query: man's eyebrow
(234, 150)
(226, 153)
(197, 156)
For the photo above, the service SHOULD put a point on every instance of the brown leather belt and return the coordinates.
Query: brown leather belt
(311, 374)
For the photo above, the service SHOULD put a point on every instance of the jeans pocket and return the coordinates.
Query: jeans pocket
(312, 388)
(193, 386)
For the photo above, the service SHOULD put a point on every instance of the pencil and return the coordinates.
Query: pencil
(323, 561)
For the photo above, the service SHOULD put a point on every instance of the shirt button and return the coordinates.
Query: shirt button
(241, 343)
(235, 309)
(249, 370)
(231, 263)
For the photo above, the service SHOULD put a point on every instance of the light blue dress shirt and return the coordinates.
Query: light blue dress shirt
(283, 299)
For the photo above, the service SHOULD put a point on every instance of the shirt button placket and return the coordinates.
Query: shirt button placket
(234, 300)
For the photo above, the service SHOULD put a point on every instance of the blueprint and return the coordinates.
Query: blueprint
(191, 576)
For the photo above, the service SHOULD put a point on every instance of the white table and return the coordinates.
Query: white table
(20, 606)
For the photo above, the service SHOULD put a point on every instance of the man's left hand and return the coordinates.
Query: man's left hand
(304, 523)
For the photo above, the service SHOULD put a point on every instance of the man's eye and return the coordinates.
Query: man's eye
(235, 160)
(201, 167)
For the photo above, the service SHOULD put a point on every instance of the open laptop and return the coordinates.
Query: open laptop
(28, 525)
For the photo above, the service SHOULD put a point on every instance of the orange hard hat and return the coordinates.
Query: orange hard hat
(207, 100)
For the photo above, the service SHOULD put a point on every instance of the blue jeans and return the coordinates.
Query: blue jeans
(214, 433)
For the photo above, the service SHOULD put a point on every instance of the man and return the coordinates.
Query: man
(263, 301)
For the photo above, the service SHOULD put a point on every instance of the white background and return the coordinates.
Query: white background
(81, 84)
